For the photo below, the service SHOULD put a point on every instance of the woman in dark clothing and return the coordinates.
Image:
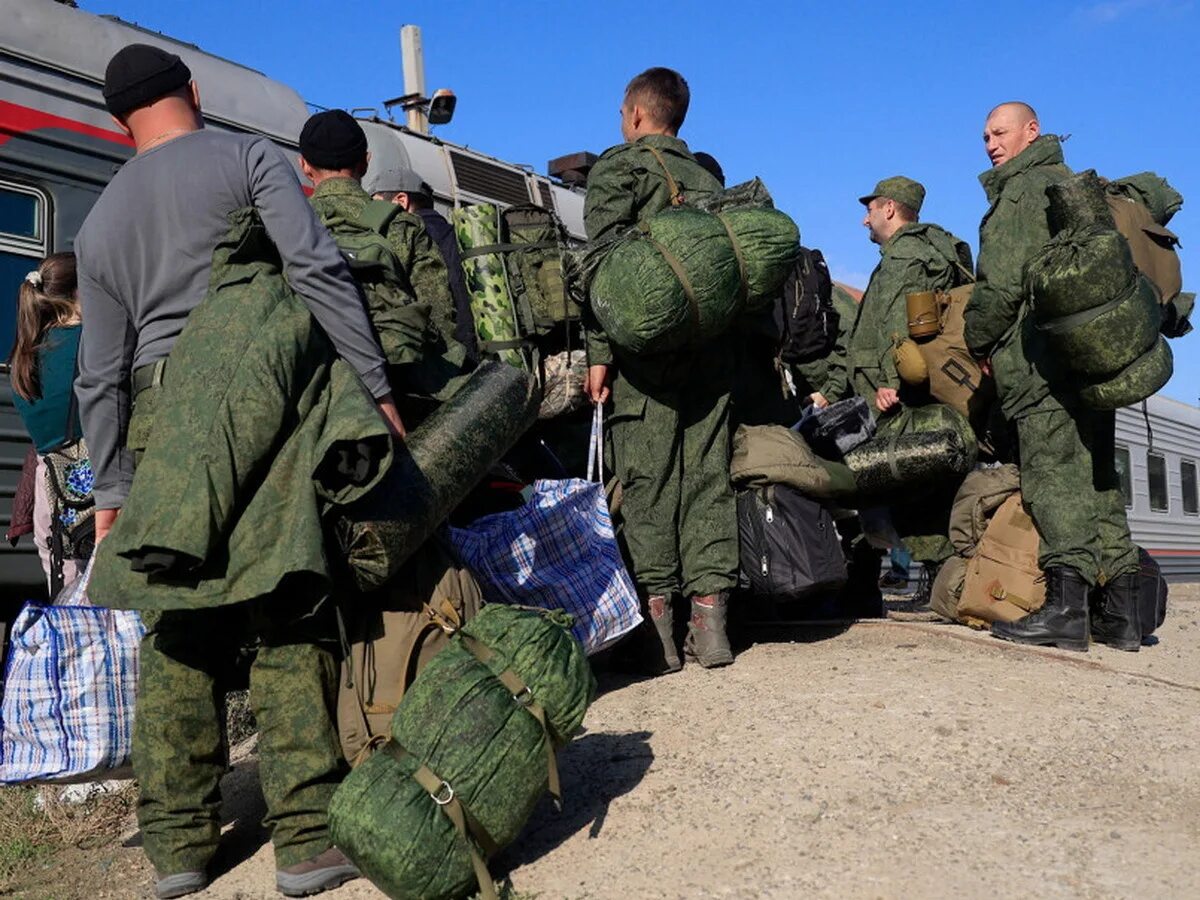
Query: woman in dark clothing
(42, 370)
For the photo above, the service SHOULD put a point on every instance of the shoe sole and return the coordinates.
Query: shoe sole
(1074, 646)
(315, 882)
(179, 885)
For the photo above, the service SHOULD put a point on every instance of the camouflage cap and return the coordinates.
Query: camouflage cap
(902, 190)
(400, 179)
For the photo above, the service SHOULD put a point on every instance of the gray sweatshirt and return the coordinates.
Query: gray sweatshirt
(144, 256)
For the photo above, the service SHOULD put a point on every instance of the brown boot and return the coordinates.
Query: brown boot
(707, 642)
(661, 655)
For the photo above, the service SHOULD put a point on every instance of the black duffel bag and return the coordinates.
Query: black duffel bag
(789, 545)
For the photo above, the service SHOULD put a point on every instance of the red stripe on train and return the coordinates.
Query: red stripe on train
(16, 119)
(1154, 552)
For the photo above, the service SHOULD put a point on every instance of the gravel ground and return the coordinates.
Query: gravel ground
(894, 758)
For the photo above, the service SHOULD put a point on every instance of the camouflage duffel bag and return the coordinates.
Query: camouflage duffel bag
(471, 753)
(682, 277)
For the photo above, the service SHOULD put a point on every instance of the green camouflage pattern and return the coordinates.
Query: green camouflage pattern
(1078, 271)
(435, 468)
(538, 269)
(1070, 486)
(920, 256)
(461, 722)
(259, 421)
(996, 319)
(492, 305)
(1142, 378)
(179, 751)
(1153, 192)
(670, 450)
(627, 185)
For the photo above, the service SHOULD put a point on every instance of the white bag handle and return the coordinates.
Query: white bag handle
(595, 466)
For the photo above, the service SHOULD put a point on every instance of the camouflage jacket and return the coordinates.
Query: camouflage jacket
(257, 429)
(340, 200)
(830, 376)
(626, 185)
(1012, 231)
(920, 256)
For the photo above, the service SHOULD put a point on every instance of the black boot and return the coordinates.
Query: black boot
(1062, 620)
(1115, 614)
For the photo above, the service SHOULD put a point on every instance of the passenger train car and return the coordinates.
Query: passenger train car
(58, 148)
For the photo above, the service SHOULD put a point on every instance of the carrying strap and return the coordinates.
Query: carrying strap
(595, 463)
(525, 699)
(506, 248)
(1071, 322)
(744, 280)
(442, 793)
(377, 216)
(677, 198)
(677, 268)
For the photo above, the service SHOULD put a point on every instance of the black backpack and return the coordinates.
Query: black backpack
(789, 546)
(805, 315)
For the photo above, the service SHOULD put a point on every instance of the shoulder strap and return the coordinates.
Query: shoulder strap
(672, 184)
(72, 405)
(377, 215)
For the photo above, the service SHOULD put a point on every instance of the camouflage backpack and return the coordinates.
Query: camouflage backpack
(391, 301)
(534, 265)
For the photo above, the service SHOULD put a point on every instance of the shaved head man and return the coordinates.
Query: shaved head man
(1010, 128)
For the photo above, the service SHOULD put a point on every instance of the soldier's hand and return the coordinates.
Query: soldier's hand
(985, 366)
(391, 415)
(818, 400)
(103, 521)
(885, 399)
(598, 386)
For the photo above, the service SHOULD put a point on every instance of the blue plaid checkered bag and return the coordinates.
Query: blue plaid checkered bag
(69, 689)
(558, 551)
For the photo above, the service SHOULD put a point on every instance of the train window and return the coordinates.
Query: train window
(1156, 469)
(24, 218)
(1122, 461)
(1187, 481)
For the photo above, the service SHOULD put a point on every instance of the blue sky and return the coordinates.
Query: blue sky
(819, 99)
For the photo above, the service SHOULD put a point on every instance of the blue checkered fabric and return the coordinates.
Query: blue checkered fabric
(558, 551)
(69, 689)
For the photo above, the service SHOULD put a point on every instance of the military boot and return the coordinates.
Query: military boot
(707, 641)
(1062, 620)
(660, 654)
(1115, 614)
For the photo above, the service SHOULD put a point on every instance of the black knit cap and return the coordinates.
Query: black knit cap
(140, 74)
(333, 140)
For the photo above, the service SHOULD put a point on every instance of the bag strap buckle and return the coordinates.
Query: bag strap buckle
(524, 697)
(444, 795)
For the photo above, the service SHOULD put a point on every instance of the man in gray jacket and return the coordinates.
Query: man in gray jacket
(145, 255)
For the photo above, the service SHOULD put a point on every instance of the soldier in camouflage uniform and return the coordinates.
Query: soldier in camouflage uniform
(333, 156)
(914, 256)
(670, 414)
(1066, 452)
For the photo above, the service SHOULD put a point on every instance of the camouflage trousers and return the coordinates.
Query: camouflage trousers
(179, 746)
(670, 452)
(1069, 483)
(923, 520)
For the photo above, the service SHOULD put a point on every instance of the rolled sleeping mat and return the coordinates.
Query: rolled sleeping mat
(684, 275)
(435, 468)
(887, 466)
(1076, 203)
(471, 754)
(477, 229)
(1101, 342)
(1140, 379)
(1077, 271)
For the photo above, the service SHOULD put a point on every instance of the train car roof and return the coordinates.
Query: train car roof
(80, 44)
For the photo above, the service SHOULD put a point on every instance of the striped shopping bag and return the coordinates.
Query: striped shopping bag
(69, 689)
(557, 551)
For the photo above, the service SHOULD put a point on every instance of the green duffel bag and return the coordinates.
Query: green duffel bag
(684, 275)
(1102, 341)
(472, 752)
(1142, 378)
(1077, 271)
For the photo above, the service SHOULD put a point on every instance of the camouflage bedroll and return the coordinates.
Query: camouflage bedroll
(1098, 312)
(917, 448)
(477, 228)
(471, 753)
(434, 469)
(684, 275)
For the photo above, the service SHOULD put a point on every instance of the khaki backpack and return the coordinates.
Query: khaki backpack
(1003, 581)
(954, 376)
(392, 635)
